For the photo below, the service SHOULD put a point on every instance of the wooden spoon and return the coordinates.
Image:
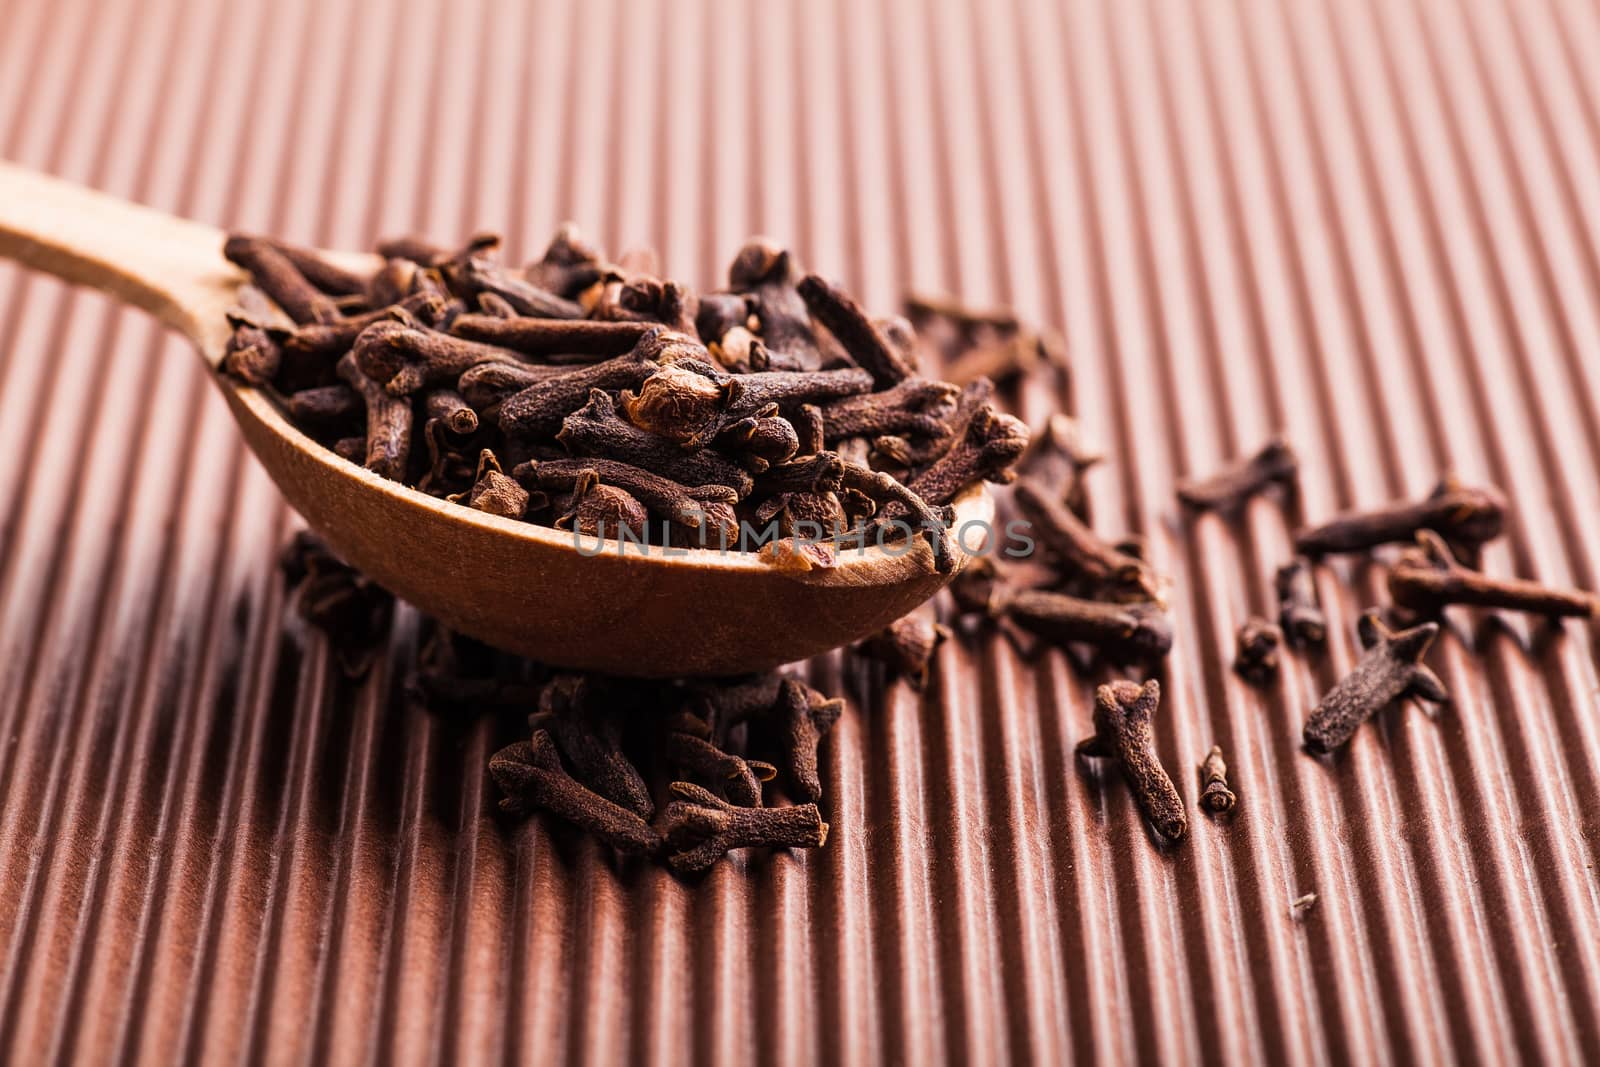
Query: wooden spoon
(517, 586)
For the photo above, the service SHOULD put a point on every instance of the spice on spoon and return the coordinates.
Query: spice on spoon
(442, 356)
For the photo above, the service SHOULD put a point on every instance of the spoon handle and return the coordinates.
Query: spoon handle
(170, 267)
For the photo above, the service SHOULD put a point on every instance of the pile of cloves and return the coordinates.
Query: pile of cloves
(684, 770)
(773, 416)
(667, 769)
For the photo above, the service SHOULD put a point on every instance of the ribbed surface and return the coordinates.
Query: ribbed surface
(1373, 222)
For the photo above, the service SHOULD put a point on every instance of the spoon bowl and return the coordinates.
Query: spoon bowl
(532, 590)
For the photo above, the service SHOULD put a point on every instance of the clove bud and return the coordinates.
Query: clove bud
(1390, 669)
(1428, 577)
(1122, 715)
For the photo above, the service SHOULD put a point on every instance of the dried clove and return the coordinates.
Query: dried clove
(740, 779)
(1089, 563)
(1427, 578)
(569, 266)
(1058, 455)
(766, 276)
(723, 704)
(685, 506)
(1122, 716)
(986, 452)
(326, 340)
(596, 429)
(493, 491)
(1298, 611)
(539, 410)
(548, 338)
(530, 775)
(488, 385)
(1256, 660)
(452, 409)
(1138, 632)
(321, 272)
(1390, 669)
(861, 338)
(699, 828)
(325, 405)
(1215, 796)
(1465, 517)
(589, 735)
(274, 274)
(801, 717)
(1228, 489)
(252, 356)
(600, 511)
(924, 306)
(472, 276)
(388, 421)
(880, 487)
(352, 610)
(907, 646)
(407, 359)
(915, 406)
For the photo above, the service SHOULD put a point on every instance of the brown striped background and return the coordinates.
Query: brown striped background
(1373, 222)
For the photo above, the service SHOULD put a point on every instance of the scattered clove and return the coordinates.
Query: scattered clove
(1256, 660)
(1058, 455)
(1390, 669)
(1465, 517)
(1092, 566)
(740, 778)
(801, 717)
(1215, 796)
(700, 827)
(1228, 489)
(1427, 578)
(347, 606)
(530, 775)
(1134, 633)
(907, 646)
(1122, 715)
(1299, 614)
(589, 736)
